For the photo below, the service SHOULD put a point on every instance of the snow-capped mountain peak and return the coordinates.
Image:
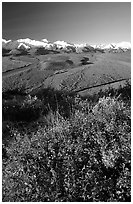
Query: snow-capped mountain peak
(109, 46)
(26, 40)
(61, 44)
(45, 40)
(124, 45)
(80, 45)
(32, 42)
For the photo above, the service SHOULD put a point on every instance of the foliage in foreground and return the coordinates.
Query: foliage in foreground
(85, 157)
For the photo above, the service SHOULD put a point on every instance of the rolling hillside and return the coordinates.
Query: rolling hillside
(66, 71)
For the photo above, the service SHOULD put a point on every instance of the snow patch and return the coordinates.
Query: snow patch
(6, 41)
(23, 46)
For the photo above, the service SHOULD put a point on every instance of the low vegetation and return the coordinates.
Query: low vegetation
(70, 149)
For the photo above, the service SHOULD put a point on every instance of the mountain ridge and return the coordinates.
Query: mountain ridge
(27, 44)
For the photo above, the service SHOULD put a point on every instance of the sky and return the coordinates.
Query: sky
(74, 22)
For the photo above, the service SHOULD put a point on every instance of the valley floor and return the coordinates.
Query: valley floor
(68, 72)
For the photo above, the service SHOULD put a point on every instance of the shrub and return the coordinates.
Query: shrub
(83, 158)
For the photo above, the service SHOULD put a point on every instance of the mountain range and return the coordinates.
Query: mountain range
(29, 44)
